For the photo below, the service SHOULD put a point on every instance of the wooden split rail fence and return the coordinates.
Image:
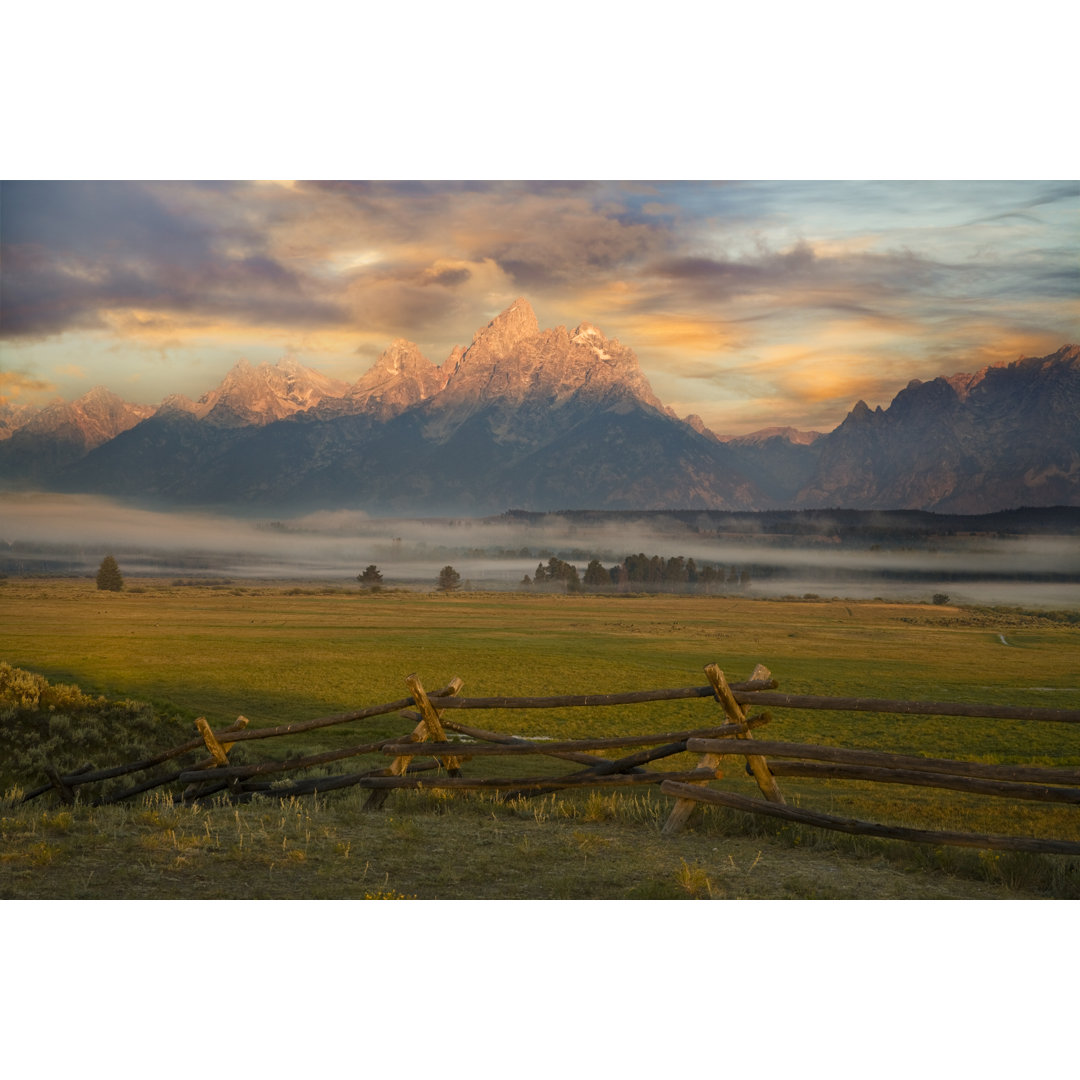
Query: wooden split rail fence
(765, 761)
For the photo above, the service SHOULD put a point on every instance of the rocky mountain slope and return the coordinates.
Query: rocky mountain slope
(45, 442)
(1005, 436)
(551, 419)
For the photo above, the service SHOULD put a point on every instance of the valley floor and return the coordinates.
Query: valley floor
(282, 654)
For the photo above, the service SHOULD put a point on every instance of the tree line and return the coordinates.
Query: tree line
(634, 573)
(640, 573)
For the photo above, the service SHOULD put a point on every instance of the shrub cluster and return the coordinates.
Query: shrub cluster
(43, 724)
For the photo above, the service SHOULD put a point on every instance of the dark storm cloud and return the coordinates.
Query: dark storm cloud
(713, 272)
(448, 276)
(867, 285)
(71, 249)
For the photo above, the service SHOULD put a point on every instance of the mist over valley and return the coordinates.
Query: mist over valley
(1026, 558)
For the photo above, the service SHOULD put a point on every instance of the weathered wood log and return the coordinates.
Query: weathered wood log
(188, 774)
(239, 724)
(712, 796)
(68, 779)
(92, 776)
(243, 772)
(500, 737)
(433, 726)
(443, 699)
(320, 722)
(880, 758)
(573, 701)
(634, 761)
(318, 784)
(468, 783)
(194, 792)
(428, 727)
(607, 766)
(194, 744)
(528, 746)
(146, 785)
(1004, 788)
(217, 752)
(66, 794)
(758, 765)
(683, 808)
(918, 708)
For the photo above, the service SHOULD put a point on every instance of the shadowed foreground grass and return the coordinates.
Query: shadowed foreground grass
(428, 846)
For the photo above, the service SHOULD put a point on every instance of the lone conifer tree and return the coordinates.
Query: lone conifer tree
(109, 576)
(371, 577)
(449, 579)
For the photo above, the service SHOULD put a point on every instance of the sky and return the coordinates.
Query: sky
(750, 303)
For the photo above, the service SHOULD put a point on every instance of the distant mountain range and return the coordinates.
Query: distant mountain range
(543, 420)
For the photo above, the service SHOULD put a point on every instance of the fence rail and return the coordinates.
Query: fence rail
(427, 758)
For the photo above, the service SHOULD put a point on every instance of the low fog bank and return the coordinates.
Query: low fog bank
(69, 534)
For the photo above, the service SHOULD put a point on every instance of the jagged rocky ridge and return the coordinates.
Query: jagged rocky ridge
(550, 419)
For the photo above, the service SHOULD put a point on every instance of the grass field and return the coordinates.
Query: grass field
(279, 653)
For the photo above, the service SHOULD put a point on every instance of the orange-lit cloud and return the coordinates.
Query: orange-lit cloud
(17, 384)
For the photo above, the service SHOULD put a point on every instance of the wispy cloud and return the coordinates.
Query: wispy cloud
(17, 384)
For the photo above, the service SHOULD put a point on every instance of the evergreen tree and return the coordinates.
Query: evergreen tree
(596, 577)
(449, 580)
(109, 576)
(370, 577)
(573, 581)
(675, 570)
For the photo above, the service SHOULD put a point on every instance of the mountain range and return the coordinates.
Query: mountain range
(548, 419)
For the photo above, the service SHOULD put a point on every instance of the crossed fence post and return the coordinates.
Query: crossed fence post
(683, 808)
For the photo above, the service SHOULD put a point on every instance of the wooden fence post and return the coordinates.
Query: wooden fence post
(66, 794)
(683, 807)
(219, 752)
(758, 765)
(428, 729)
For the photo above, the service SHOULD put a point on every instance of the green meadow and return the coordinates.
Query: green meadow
(283, 653)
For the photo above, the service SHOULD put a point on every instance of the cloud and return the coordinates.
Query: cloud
(800, 277)
(72, 249)
(14, 384)
(443, 274)
(541, 234)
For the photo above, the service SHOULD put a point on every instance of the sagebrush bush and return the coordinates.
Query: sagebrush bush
(45, 724)
(25, 690)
